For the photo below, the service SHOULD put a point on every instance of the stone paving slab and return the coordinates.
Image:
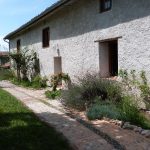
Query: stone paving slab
(79, 136)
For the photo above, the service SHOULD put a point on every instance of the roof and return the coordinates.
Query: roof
(6, 65)
(4, 53)
(49, 10)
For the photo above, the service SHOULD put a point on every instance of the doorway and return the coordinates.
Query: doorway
(113, 58)
(57, 65)
(109, 58)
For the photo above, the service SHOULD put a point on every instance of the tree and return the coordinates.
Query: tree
(26, 61)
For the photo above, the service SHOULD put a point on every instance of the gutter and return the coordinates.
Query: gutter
(5, 40)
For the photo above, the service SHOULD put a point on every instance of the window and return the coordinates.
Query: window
(45, 36)
(18, 45)
(105, 5)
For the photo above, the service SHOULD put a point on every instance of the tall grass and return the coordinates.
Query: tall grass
(6, 74)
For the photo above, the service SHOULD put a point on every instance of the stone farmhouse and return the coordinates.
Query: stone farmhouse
(79, 36)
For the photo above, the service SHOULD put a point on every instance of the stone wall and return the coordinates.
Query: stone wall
(75, 28)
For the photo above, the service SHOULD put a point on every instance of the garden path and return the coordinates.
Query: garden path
(102, 136)
(80, 137)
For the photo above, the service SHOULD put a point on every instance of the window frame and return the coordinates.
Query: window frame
(46, 37)
(102, 5)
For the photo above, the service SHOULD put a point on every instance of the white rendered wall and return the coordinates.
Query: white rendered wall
(74, 29)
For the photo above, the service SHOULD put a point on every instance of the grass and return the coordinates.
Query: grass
(36, 83)
(21, 130)
(5, 74)
(53, 94)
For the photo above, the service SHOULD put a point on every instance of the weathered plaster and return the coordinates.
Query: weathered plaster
(74, 29)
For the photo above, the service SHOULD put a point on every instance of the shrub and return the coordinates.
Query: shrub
(57, 78)
(6, 74)
(72, 98)
(98, 111)
(126, 110)
(36, 83)
(131, 82)
(93, 86)
(145, 89)
(53, 94)
(89, 87)
(25, 61)
(130, 112)
(23, 83)
(39, 82)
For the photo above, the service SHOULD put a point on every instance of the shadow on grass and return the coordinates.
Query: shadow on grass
(23, 131)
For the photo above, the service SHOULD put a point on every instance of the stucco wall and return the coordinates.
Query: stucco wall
(74, 29)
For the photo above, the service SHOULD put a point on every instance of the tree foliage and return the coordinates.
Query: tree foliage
(26, 62)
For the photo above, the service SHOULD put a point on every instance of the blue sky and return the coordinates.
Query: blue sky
(14, 13)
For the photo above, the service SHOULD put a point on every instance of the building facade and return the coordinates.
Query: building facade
(80, 36)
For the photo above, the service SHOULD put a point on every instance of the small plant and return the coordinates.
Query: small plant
(23, 83)
(39, 82)
(143, 77)
(98, 111)
(130, 112)
(73, 98)
(124, 75)
(6, 74)
(58, 78)
(145, 89)
(53, 94)
(130, 81)
(36, 83)
(134, 80)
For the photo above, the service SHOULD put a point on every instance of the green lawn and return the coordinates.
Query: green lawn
(21, 130)
(5, 74)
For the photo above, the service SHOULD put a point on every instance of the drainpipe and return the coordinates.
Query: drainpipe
(7, 43)
(5, 40)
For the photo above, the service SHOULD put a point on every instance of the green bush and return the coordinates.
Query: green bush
(133, 81)
(130, 112)
(98, 111)
(145, 89)
(23, 83)
(53, 94)
(56, 79)
(126, 111)
(36, 83)
(6, 74)
(72, 98)
(89, 87)
(39, 82)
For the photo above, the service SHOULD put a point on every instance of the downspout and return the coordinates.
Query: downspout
(5, 40)
(7, 43)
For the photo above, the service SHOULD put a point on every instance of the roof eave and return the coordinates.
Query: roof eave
(37, 18)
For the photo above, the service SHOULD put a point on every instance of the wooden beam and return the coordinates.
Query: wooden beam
(109, 39)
